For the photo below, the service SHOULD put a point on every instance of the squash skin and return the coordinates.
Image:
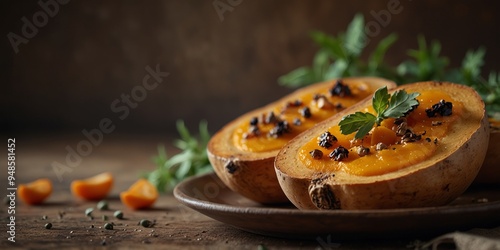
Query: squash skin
(252, 174)
(434, 182)
(490, 171)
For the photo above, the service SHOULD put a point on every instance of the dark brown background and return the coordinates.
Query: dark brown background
(90, 52)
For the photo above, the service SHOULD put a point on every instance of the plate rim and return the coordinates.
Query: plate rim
(183, 197)
(214, 210)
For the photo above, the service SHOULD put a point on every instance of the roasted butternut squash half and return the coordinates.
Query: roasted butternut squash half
(422, 145)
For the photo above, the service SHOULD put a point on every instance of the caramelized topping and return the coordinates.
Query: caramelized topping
(339, 153)
(305, 112)
(380, 146)
(254, 121)
(340, 89)
(362, 151)
(411, 139)
(443, 108)
(272, 128)
(270, 118)
(326, 140)
(316, 154)
(279, 129)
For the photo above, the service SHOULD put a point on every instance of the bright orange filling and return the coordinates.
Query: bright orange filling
(264, 142)
(398, 154)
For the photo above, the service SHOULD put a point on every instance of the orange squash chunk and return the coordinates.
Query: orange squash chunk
(142, 194)
(35, 192)
(93, 188)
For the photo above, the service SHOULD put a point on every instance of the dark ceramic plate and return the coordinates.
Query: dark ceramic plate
(478, 207)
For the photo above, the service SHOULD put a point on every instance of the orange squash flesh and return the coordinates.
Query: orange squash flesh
(142, 194)
(263, 143)
(93, 188)
(35, 192)
(397, 155)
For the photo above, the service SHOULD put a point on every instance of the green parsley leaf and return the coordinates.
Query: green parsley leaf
(400, 103)
(380, 100)
(385, 105)
(359, 121)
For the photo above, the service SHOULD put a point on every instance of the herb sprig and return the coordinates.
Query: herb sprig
(192, 160)
(385, 105)
(340, 56)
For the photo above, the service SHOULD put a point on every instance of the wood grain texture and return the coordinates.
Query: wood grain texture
(177, 227)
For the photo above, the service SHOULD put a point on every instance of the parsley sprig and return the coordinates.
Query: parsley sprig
(192, 160)
(385, 105)
(341, 56)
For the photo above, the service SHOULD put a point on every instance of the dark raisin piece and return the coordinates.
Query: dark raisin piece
(305, 112)
(231, 167)
(326, 140)
(339, 153)
(340, 89)
(279, 129)
(409, 136)
(443, 108)
(401, 128)
(316, 154)
(254, 121)
(253, 131)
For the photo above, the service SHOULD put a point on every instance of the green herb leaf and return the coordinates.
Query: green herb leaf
(192, 160)
(336, 70)
(298, 77)
(355, 36)
(385, 105)
(380, 100)
(377, 57)
(321, 62)
(400, 104)
(329, 43)
(359, 121)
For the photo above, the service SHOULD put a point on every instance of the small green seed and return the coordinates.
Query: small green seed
(104, 217)
(44, 217)
(146, 223)
(118, 214)
(88, 211)
(108, 226)
(48, 225)
(102, 205)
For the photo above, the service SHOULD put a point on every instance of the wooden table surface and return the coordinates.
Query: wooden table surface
(177, 227)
